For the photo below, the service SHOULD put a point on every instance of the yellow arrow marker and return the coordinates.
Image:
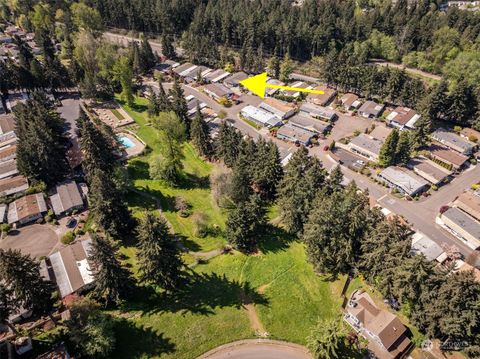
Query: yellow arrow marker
(257, 84)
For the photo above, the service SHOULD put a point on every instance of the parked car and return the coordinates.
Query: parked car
(71, 222)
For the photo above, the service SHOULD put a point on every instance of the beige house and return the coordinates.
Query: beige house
(385, 333)
(461, 225)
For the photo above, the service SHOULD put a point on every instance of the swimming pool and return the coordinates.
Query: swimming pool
(126, 142)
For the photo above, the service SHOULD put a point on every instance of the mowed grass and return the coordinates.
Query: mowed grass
(194, 188)
(288, 295)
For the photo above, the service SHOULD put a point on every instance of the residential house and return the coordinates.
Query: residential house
(260, 116)
(295, 134)
(216, 76)
(3, 212)
(27, 209)
(310, 109)
(8, 168)
(448, 158)
(371, 109)
(431, 171)
(71, 268)
(273, 91)
(8, 138)
(12, 185)
(217, 91)
(184, 69)
(469, 202)
(309, 124)
(7, 123)
(386, 335)
(421, 244)
(366, 146)
(281, 109)
(463, 226)
(403, 118)
(298, 84)
(454, 141)
(403, 180)
(350, 102)
(322, 99)
(234, 80)
(470, 134)
(192, 75)
(8, 153)
(66, 199)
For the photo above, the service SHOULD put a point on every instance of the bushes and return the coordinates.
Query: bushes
(200, 221)
(5, 228)
(182, 206)
(225, 102)
(68, 238)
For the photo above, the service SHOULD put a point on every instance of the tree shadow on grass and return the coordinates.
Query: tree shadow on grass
(192, 181)
(187, 244)
(135, 341)
(275, 239)
(138, 169)
(202, 294)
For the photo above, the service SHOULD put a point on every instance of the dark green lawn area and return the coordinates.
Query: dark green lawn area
(288, 296)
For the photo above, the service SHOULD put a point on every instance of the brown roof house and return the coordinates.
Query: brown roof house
(350, 101)
(385, 333)
(451, 159)
(67, 198)
(322, 99)
(27, 209)
(71, 268)
(403, 118)
(12, 185)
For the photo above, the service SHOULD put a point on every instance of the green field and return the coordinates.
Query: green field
(277, 286)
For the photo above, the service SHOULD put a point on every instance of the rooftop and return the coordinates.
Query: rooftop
(371, 108)
(349, 99)
(464, 221)
(71, 268)
(315, 110)
(469, 202)
(368, 143)
(404, 116)
(447, 155)
(324, 98)
(218, 90)
(67, 197)
(235, 79)
(278, 107)
(12, 185)
(261, 116)
(25, 207)
(309, 123)
(295, 133)
(433, 171)
(451, 139)
(408, 181)
(422, 244)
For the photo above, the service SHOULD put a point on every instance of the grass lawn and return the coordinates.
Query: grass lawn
(194, 189)
(118, 115)
(288, 296)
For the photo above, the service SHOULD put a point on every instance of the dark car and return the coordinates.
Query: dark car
(71, 223)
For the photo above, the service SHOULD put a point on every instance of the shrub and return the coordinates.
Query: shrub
(356, 133)
(5, 228)
(222, 115)
(225, 102)
(182, 206)
(200, 221)
(68, 238)
(457, 129)
(434, 187)
(472, 138)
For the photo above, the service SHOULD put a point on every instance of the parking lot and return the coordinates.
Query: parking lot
(36, 240)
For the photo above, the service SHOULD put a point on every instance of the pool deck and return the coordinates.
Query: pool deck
(136, 150)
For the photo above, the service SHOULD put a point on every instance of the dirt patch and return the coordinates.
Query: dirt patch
(255, 322)
(263, 288)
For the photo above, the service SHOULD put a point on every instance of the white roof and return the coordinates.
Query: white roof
(259, 115)
(406, 180)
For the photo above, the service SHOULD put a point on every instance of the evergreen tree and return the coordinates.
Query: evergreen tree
(335, 229)
(179, 105)
(437, 103)
(168, 49)
(135, 58)
(297, 190)
(107, 204)
(200, 134)
(123, 73)
(164, 104)
(22, 280)
(42, 143)
(153, 108)
(227, 144)
(267, 171)
(6, 306)
(325, 339)
(335, 179)
(112, 281)
(147, 56)
(402, 153)
(158, 254)
(273, 67)
(245, 223)
(240, 187)
(462, 105)
(286, 68)
(388, 150)
(420, 133)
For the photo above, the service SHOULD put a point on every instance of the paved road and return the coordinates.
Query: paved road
(126, 40)
(407, 69)
(258, 349)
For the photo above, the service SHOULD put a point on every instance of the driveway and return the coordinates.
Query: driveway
(36, 240)
(258, 349)
(70, 111)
